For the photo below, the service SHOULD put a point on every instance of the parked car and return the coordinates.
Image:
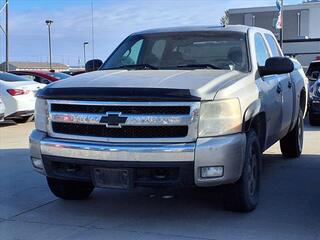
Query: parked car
(314, 104)
(73, 73)
(2, 109)
(313, 72)
(18, 96)
(173, 107)
(41, 76)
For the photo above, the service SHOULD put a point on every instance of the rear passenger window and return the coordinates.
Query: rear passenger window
(273, 46)
(261, 50)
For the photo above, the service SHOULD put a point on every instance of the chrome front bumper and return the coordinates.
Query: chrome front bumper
(227, 152)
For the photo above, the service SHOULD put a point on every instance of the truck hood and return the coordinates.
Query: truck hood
(202, 83)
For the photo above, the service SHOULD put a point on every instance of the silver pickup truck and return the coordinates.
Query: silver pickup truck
(191, 106)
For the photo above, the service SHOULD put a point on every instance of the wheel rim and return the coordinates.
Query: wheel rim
(252, 174)
(300, 134)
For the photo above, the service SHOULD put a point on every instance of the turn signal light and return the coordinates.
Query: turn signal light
(16, 92)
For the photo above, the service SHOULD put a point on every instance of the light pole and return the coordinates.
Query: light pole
(84, 52)
(49, 22)
(7, 35)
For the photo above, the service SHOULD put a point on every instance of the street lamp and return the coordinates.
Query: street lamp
(84, 52)
(49, 22)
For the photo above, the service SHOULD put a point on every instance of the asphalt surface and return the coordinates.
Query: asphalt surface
(289, 203)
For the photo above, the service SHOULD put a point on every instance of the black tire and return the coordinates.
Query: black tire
(243, 196)
(314, 120)
(291, 145)
(22, 119)
(70, 190)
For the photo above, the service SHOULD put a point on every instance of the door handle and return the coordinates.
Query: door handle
(289, 84)
(279, 89)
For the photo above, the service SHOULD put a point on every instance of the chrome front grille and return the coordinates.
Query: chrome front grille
(124, 121)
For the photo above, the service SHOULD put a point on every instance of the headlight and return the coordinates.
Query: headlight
(41, 117)
(316, 89)
(220, 117)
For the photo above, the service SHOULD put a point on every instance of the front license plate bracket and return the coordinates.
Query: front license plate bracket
(118, 178)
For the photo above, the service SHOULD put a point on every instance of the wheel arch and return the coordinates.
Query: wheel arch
(255, 119)
(303, 100)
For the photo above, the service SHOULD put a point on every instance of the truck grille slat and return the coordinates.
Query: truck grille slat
(157, 110)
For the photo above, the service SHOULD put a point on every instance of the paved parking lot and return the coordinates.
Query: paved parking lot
(289, 205)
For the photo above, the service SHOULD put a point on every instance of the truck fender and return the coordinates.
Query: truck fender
(253, 110)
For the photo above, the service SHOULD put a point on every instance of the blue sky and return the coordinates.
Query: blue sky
(113, 21)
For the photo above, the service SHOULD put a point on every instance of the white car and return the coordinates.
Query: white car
(18, 96)
(2, 110)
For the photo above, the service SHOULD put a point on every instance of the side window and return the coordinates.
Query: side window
(273, 46)
(30, 77)
(130, 57)
(42, 80)
(261, 50)
(37, 79)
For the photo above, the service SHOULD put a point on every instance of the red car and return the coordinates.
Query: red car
(42, 76)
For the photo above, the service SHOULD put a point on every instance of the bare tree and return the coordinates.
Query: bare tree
(225, 19)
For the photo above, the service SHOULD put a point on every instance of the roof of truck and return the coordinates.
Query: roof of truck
(231, 28)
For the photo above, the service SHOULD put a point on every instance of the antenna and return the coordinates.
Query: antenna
(92, 29)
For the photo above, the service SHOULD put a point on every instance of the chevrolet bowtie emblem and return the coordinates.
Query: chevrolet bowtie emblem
(113, 120)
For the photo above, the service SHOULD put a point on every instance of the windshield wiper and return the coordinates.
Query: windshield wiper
(199, 66)
(136, 67)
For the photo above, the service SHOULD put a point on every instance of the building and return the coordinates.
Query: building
(301, 33)
(43, 66)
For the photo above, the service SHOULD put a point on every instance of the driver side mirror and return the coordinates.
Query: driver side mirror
(276, 65)
(93, 65)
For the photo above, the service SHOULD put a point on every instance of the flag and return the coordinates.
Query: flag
(279, 20)
(278, 4)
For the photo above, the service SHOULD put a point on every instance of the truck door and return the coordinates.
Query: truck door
(270, 94)
(286, 87)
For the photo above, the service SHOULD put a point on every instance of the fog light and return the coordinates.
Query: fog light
(211, 172)
(37, 163)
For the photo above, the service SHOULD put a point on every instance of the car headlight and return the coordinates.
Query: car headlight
(41, 116)
(316, 89)
(220, 117)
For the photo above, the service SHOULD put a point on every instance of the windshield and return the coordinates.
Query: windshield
(58, 75)
(8, 77)
(213, 50)
(313, 70)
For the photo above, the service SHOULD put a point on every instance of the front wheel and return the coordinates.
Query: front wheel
(243, 195)
(70, 190)
(291, 145)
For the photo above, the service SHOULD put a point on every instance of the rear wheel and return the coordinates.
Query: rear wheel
(23, 119)
(291, 145)
(243, 196)
(70, 190)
